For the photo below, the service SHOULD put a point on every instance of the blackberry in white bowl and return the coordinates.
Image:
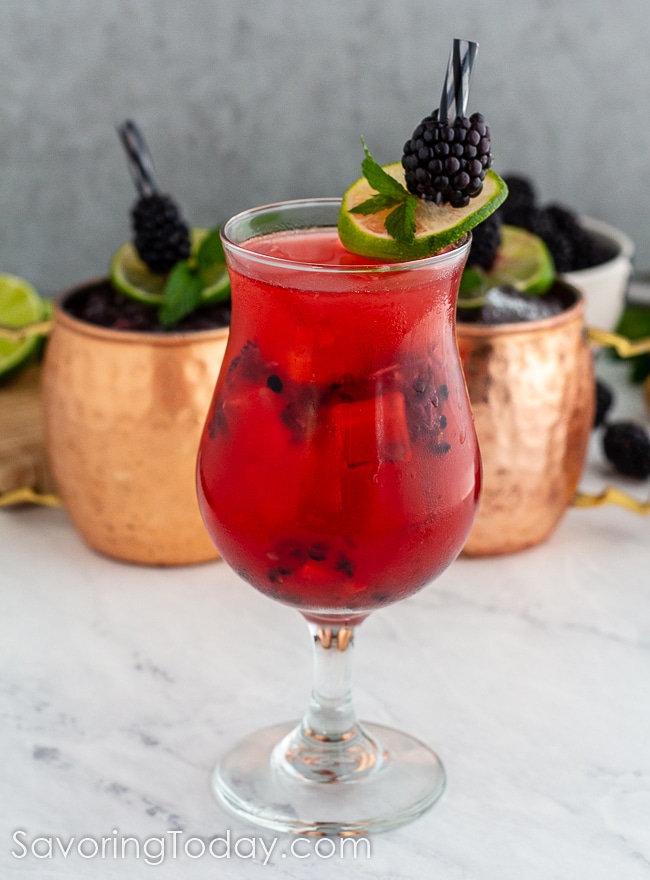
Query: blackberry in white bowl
(591, 255)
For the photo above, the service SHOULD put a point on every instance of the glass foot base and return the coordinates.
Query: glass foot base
(408, 780)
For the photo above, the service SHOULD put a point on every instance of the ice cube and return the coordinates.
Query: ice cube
(320, 476)
(373, 430)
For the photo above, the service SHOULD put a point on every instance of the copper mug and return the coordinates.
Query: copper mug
(123, 413)
(531, 386)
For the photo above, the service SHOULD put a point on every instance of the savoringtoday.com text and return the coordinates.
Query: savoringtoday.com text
(177, 844)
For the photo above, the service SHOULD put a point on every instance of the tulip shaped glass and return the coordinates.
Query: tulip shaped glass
(338, 473)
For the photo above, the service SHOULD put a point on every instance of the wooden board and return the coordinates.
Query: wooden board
(24, 475)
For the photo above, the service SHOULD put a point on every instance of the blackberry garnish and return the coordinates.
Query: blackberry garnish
(604, 401)
(447, 162)
(486, 238)
(162, 238)
(627, 446)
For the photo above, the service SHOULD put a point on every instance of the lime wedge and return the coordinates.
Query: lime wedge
(437, 226)
(20, 304)
(133, 277)
(523, 261)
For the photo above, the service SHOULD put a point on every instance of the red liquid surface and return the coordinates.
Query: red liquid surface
(339, 469)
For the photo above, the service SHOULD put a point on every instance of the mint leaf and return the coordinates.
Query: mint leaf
(473, 289)
(635, 324)
(472, 283)
(210, 250)
(400, 223)
(181, 295)
(380, 179)
(374, 204)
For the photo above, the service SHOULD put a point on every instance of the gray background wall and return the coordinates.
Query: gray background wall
(257, 100)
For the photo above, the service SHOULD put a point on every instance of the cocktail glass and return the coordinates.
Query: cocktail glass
(338, 472)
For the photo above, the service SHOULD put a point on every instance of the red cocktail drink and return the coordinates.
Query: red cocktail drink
(339, 470)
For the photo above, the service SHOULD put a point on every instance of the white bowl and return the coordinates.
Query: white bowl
(604, 286)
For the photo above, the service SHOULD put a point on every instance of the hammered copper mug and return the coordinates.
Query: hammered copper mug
(123, 413)
(531, 386)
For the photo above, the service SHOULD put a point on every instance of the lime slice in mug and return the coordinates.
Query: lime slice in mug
(522, 261)
(130, 275)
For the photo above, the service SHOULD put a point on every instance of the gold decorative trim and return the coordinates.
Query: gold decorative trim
(26, 495)
(614, 496)
(19, 334)
(624, 347)
(327, 637)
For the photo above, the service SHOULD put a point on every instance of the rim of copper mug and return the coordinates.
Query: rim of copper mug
(566, 316)
(111, 334)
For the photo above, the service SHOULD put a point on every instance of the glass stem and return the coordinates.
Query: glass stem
(329, 745)
(331, 715)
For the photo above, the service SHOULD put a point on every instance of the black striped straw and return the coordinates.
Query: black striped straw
(455, 93)
(140, 162)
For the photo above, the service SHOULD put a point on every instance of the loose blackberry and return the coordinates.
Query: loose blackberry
(572, 246)
(486, 238)
(534, 220)
(162, 238)
(561, 248)
(564, 219)
(542, 222)
(521, 194)
(627, 446)
(589, 249)
(604, 401)
(578, 244)
(447, 162)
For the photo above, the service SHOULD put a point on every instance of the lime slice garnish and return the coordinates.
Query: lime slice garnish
(523, 261)
(132, 277)
(437, 226)
(20, 305)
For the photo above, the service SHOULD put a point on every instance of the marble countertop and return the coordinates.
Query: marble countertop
(529, 674)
